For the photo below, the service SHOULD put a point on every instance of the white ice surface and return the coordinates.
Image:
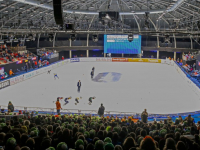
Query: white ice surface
(157, 87)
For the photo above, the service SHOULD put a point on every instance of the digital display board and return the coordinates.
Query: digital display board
(119, 44)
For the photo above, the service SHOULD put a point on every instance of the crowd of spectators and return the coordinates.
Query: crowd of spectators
(7, 55)
(44, 52)
(81, 132)
(189, 56)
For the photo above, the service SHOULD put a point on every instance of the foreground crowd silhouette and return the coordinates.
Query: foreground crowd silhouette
(82, 132)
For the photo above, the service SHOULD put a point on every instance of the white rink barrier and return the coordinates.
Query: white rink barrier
(26, 76)
(95, 59)
(190, 82)
(72, 111)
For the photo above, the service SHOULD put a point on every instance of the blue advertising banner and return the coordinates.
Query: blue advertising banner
(74, 59)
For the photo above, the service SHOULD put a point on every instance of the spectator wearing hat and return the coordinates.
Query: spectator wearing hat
(10, 106)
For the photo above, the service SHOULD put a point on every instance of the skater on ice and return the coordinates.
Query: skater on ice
(49, 71)
(92, 74)
(79, 85)
(76, 100)
(93, 69)
(55, 75)
(67, 100)
(90, 100)
(58, 98)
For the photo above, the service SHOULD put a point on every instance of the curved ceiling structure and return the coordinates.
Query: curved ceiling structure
(164, 16)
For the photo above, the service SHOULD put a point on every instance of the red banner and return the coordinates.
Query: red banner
(119, 59)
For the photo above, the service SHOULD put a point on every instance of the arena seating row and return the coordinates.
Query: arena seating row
(9, 55)
(194, 80)
(79, 132)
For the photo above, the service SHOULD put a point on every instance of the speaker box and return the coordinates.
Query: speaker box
(58, 12)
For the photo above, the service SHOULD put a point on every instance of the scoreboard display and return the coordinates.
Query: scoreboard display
(119, 44)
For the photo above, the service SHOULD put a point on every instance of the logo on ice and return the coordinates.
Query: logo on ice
(107, 77)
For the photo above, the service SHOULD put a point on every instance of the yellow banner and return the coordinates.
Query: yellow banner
(144, 60)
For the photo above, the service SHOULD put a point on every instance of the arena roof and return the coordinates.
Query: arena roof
(163, 17)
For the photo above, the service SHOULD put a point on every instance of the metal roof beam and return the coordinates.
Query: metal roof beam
(47, 6)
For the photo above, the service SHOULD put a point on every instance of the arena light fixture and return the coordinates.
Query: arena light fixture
(73, 37)
(167, 39)
(15, 40)
(95, 38)
(8, 41)
(50, 37)
(30, 37)
(22, 40)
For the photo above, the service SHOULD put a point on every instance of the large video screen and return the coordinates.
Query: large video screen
(118, 44)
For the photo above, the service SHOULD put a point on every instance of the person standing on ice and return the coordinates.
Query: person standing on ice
(92, 74)
(58, 106)
(144, 116)
(10, 106)
(79, 85)
(93, 69)
(101, 111)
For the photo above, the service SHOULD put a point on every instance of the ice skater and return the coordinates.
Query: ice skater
(58, 98)
(55, 75)
(49, 71)
(90, 100)
(93, 69)
(92, 74)
(76, 100)
(67, 100)
(79, 85)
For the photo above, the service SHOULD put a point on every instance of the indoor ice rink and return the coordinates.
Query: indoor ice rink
(125, 87)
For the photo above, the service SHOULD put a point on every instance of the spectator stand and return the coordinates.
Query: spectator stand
(194, 79)
(17, 60)
(47, 56)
